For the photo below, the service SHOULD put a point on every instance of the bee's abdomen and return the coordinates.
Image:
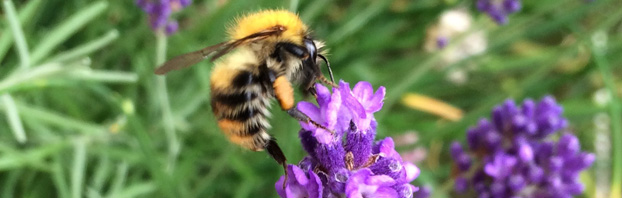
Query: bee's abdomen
(241, 108)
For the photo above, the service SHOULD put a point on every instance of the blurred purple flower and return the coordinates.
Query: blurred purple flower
(499, 10)
(517, 157)
(358, 166)
(160, 11)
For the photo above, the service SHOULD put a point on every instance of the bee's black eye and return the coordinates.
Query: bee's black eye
(311, 48)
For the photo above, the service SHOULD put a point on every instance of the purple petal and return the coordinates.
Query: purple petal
(375, 103)
(384, 192)
(331, 110)
(350, 101)
(412, 171)
(298, 174)
(386, 148)
(380, 180)
(323, 94)
(279, 187)
(363, 90)
(315, 185)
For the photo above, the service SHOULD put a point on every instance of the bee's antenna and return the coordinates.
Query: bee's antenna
(330, 71)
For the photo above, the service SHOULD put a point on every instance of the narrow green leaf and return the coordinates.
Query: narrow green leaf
(599, 46)
(66, 29)
(102, 172)
(119, 180)
(13, 116)
(24, 15)
(58, 176)
(79, 165)
(104, 76)
(32, 157)
(86, 48)
(136, 190)
(53, 118)
(18, 34)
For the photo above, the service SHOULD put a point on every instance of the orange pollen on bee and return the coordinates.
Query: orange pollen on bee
(284, 92)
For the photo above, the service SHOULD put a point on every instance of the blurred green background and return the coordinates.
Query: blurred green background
(82, 112)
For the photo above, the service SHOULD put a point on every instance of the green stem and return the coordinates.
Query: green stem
(24, 57)
(24, 15)
(79, 164)
(163, 100)
(87, 48)
(12, 115)
(599, 51)
(18, 34)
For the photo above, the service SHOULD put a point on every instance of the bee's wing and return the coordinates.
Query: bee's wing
(250, 38)
(188, 59)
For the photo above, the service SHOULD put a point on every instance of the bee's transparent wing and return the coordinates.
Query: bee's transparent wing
(188, 59)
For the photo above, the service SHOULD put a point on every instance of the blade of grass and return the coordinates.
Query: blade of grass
(105, 76)
(150, 157)
(79, 165)
(136, 190)
(24, 15)
(18, 34)
(293, 5)
(66, 29)
(86, 48)
(13, 116)
(599, 46)
(313, 10)
(358, 21)
(92, 193)
(393, 94)
(32, 74)
(58, 177)
(53, 118)
(22, 50)
(101, 174)
(34, 158)
(11, 183)
(119, 180)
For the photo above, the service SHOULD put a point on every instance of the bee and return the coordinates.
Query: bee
(267, 53)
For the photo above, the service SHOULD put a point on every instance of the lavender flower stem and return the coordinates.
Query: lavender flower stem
(616, 116)
(163, 101)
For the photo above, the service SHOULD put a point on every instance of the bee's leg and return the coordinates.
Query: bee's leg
(277, 154)
(285, 95)
(300, 116)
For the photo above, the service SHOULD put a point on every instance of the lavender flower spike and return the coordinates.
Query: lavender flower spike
(160, 11)
(499, 10)
(518, 158)
(357, 167)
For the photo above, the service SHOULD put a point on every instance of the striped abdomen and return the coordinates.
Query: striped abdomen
(240, 100)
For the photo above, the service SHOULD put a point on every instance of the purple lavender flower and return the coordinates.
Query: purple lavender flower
(160, 11)
(517, 155)
(358, 166)
(499, 10)
(300, 183)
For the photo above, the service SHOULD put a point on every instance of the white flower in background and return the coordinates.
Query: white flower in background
(451, 26)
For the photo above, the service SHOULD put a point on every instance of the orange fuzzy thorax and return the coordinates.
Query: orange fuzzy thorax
(263, 20)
